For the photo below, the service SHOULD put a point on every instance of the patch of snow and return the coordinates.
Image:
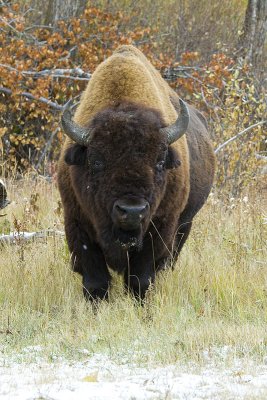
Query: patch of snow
(100, 378)
(32, 349)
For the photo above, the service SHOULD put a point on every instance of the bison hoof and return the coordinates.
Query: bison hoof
(138, 292)
(95, 294)
(138, 286)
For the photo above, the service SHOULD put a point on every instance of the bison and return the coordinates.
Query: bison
(135, 169)
(3, 196)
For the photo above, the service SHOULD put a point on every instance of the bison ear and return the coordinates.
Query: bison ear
(172, 160)
(76, 155)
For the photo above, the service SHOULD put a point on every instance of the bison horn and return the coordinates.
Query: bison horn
(178, 129)
(77, 133)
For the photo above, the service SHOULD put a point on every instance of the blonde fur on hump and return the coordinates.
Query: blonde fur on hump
(125, 76)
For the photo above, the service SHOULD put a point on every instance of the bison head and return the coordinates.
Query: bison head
(118, 168)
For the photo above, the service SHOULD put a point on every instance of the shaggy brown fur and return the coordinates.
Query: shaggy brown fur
(125, 104)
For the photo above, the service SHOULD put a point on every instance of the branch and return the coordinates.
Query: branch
(38, 27)
(19, 237)
(18, 33)
(30, 96)
(47, 147)
(4, 21)
(238, 135)
(66, 73)
(261, 157)
(74, 78)
(61, 73)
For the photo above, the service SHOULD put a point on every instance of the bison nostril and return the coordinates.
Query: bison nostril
(120, 211)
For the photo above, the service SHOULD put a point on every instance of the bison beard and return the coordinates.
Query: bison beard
(128, 239)
(131, 183)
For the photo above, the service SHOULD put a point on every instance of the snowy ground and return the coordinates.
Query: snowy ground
(100, 378)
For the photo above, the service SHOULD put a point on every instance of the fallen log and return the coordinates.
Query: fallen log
(21, 237)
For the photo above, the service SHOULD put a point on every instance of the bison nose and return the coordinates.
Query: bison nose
(127, 215)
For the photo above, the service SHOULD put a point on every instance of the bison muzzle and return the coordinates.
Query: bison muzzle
(136, 168)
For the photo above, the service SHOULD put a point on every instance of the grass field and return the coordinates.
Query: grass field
(214, 303)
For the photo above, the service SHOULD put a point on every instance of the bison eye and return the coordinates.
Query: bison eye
(160, 165)
(97, 165)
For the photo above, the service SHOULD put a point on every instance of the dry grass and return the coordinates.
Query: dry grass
(215, 297)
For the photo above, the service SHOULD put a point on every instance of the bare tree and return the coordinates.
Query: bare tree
(63, 9)
(48, 13)
(252, 40)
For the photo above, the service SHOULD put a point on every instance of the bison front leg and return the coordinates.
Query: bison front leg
(143, 266)
(182, 235)
(88, 260)
(96, 277)
(138, 277)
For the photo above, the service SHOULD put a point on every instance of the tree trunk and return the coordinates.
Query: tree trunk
(252, 40)
(63, 9)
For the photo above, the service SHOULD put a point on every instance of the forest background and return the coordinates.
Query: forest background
(211, 310)
(212, 53)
